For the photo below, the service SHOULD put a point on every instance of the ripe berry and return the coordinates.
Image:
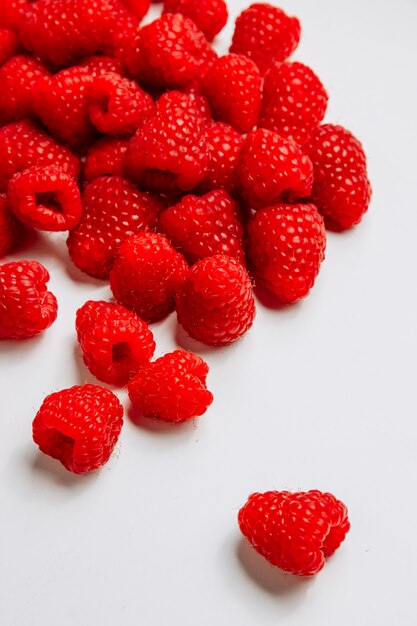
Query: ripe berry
(224, 145)
(198, 101)
(10, 229)
(79, 426)
(105, 157)
(17, 78)
(10, 11)
(172, 388)
(10, 45)
(138, 7)
(209, 15)
(294, 531)
(97, 65)
(27, 308)
(215, 303)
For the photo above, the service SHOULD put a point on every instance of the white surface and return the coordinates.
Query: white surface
(320, 395)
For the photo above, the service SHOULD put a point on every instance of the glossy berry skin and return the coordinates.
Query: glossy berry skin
(341, 191)
(146, 274)
(27, 308)
(172, 388)
(115, 342)
(209, 15)
(265, 34)
(294, 101)
(271, 167)
(10, 45)
(46, 198)
(215, 303)
(10, 229)
(17, 78)
(105, 157)
(113, 210)
(203, 226)
(224, 145)
(79, 427)
(99, 64)
(286, 246)
(296, 532)
(10, 11)
(233, 86)
(138, 7)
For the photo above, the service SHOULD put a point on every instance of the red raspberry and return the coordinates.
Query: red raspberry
(115, 342)
(46, 198)
(265, 34)
(10, 229)
(10, 11)
(114, 210)
(215, 304)
(118, 106)
(172, 388)
(23, 144)
(27, 308)
(9, 45)
(105, 158)
(209, 15)
(341, 191)
(233, 86)
(146, 274)
(224, 145)
(286, 247)
(17, 78)
(199, 102)
(294, 101)
(100, 64)
(169, 152)
(294, 531)
(202, 227)
(79, 426)
(270, 167)
(138, 7)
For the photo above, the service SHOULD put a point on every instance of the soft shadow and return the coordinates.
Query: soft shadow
(183, 340)
(85, 377)
(52, 471)
(57, 248)
(269, 301)
(159, 427)
(14, 346)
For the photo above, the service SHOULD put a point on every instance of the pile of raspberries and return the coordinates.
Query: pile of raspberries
(184, 178)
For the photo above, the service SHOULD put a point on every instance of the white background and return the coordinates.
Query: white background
(319, 395)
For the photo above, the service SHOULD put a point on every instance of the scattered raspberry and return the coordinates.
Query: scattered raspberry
(9, 45)
(286, 247)
(294, 101)
(210, 16)
(26, 307)
(10, 11)
(265, 34)
(100, 64)
(115, 342)
(270, 167)
(17, 78)
(215, 304)
(172, 388)
(79, 426)
(202, 227)
(105, 158)
(295, 531)
(138, 7)
(10, 229)
(224, 145)
(146, 274)
(341, 191)
(114, 210)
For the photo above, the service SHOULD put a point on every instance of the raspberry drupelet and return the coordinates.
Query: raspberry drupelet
(209, 15)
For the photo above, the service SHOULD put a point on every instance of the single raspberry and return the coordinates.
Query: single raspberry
(215, 305)
(79, 426)
(10, 45)
(270, 167)
(105, 158)
(115, 342)
(202, 227)
(265, 34)
(24, 144)
(146, 274)
(113, 210)
(341, 190)
(295, 531)
(172, 388)
(224, 145)
(10, 229)
(10, 12)
(233, 86)
(286, 247)
(294, 101)
(27, 308)
(101, 64)
(17, 78)
(138, 7)
(169, 151)
(209, 15)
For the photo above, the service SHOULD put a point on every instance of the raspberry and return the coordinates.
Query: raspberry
(233, 86)
(10, 11)
(26, 307)
(198, 101)
(114, 210)
(138, 7)
(46, 198)
(79, 426)
(202, 227)
(105, 158)
(118, 106)
(169, 152)
(172, 388)
(224, 146)
(17, 78)
(23, 144)
(286, 247)
(9, 45)
(215, 304)
(270, 167)
(146, 274)
(210, 16)
(265, 34)
(341, 191)
(115, 342)
(100, 64)
(294, 101)
(10, 229)
(295, 531)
